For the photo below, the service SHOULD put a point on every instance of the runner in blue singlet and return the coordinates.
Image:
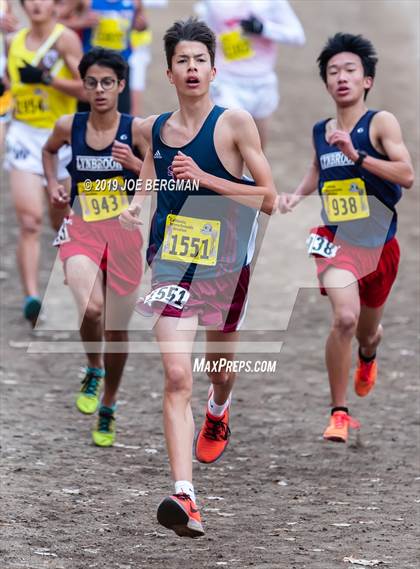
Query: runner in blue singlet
(200, 247)
(359, 166)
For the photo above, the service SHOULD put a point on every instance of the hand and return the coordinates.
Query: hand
(184, 168)
(30, 74)
(286, 202)
(252, 25)
(123, 154)
(8, 23)
(58, 195)
(343, 141)
(130, 218)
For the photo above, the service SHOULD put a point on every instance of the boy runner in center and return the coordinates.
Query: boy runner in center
(199, 250)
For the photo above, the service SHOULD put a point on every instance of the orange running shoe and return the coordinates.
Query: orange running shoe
(213, 438)
(338, 428)
(365, 377)
(180, 514)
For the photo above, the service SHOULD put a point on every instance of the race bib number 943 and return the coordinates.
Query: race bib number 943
(345, 200)
(191, 240)
(102, 199)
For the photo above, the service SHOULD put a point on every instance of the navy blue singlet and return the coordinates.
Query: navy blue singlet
(90, 164)
(238, 224)
(381, 224)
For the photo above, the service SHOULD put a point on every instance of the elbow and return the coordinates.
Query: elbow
(409, 180)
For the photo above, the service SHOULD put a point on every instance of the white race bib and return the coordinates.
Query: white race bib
(173, 295)
(62, 234)
(319, 245)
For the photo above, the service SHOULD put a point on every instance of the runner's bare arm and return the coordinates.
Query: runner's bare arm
(78, 15)
(247, 141)
(8, 21)
(60, 136)
(306, 187)
(139, 20)
(386, 133)
(70, 48)
(129, 218)
(399, 169)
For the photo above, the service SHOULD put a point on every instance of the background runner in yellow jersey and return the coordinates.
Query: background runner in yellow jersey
(42, 69)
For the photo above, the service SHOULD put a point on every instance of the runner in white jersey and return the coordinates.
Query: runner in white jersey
(247, 35)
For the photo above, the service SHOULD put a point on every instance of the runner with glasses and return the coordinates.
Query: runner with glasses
(102, 263)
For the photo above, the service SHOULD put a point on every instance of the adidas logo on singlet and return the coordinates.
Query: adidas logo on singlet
(157, 154)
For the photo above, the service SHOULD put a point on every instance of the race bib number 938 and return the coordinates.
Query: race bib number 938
(345, 200)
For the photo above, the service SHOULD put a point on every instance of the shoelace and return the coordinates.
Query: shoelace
(90, 384)
(104, 422)
(342, 418)
(216, 429)
(183, 496)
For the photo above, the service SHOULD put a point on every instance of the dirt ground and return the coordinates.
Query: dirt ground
(281, 498)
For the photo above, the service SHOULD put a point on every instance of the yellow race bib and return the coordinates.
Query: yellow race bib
(235, 46)
(345, 200)
(30, 107)
(191, 240)
(111, 34)
(102, 199)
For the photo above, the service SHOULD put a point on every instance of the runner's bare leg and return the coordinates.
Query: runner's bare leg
(177, 414)
(222, 381)
(118, 311)
(85, 280)
(345, 303)
(369, 329)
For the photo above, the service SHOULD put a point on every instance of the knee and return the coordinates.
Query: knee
(93, 312)
(345, 323)
(30, 225)
(178, 380)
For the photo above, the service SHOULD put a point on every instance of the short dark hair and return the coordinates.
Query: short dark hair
(189, 30)
(104, 58)
(354, 44)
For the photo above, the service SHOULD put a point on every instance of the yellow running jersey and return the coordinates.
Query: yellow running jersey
(39, 105)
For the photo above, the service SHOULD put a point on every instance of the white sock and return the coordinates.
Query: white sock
(215, 409)
(185, 487)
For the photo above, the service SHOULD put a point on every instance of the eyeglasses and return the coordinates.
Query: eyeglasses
(107, 83)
